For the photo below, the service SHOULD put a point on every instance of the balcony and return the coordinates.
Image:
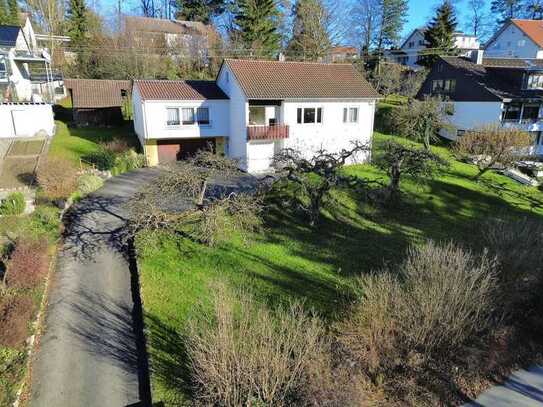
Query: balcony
(275, 132)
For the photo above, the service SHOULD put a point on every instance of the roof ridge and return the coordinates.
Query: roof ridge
(288, 62)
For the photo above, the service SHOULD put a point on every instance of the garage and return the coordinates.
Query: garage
(174, 150)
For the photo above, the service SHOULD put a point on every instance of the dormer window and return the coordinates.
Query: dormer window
(443, 86)
(535, 81)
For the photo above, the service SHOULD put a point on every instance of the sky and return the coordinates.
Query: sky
(421, 11)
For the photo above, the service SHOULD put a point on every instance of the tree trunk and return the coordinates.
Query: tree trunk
(201, 196)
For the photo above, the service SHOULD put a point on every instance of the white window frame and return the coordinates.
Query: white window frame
(347, 114)
(315, 123)
(195, 115)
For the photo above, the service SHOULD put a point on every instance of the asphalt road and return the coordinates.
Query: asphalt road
(92, 352)
(524, 388)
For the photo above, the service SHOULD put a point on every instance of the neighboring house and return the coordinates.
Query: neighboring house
(411, 50)
(254, 109)
(490, 90)
(175, 37)
(342, 54)
(26, 119)
(25, 69)
(517, 39)
(98, 102)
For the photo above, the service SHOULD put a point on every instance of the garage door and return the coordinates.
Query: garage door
(169, 150)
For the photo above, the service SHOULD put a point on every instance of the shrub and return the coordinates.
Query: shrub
(28, 264)
(89, 183)
(14, 204)
(241, 354)
(517, 245)
(437, 299)
(57, 177)
(45, 220)
(103, 158)
(116, 146)
(128, 161)
(15, 314)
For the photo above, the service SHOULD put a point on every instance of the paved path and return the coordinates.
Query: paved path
(92, 352)
(524, 388)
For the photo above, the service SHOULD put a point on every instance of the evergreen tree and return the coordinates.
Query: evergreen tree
(392, 20)
(439, 34)
(256, 24)
(310, 39)
(507, 9)
(13, 9)
(199, 10)
(77, 22)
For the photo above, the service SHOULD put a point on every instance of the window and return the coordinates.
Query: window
(460, 133)
(421, 42)
(535, 81)
(511, 112)
(202, 115)
(411, 44)
(521, 43)
(173, 116)
(350, 115)
(188, 115)
(309, 115)
(257, 115)
(3, 71)
(530, 113)
(443, 86)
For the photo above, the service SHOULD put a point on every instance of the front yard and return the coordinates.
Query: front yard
(288, 260)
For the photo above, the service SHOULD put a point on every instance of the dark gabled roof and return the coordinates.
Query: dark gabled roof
(179, 90)
(8, 35)
(299, 80)
(494, 80)
(97, 93)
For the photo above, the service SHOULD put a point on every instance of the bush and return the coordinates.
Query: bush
(14, 204)
(15, 314)
(45, 220)
(116, 146)
(517, 245)
(436, 300)
(89, 183)
(28, 264)
(241, 354)
(128, 161)
(103, 158)
(57, 177)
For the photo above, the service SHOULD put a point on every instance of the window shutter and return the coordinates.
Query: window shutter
(299, 115)
(345, 110)
(203, 115)
(319, 115)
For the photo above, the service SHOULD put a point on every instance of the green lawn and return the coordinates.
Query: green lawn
(75, 143)
(288, 260)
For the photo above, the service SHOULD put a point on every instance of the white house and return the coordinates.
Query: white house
(490, 90)
(413, 47)
(253, 109)
(25, 69)
(517, 39)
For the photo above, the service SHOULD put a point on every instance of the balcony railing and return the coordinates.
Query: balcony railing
(275, 132)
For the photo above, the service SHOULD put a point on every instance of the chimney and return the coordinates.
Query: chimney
(281, 57)
(477, 56)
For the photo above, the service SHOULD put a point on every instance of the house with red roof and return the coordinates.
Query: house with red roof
(253, 109)
(517, 38)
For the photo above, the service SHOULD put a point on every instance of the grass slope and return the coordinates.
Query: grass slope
(288, 260)
(76, 143)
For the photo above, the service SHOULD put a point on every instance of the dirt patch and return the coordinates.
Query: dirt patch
(18, 172)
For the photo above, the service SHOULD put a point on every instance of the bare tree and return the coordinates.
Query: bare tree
(492, 144)
(314, 178)
(400, 160)
(479, 20)
(177, 201)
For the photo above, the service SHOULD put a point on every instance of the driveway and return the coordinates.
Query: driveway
(92, 352)
(523, 388)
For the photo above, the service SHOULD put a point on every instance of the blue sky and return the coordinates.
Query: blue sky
(421, 11)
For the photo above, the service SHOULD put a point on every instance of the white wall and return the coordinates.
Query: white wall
(468, 115)
(239, 114)
(25, 120)
(137, 113)
(512, 43)
(156, 119)
(332, 134)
